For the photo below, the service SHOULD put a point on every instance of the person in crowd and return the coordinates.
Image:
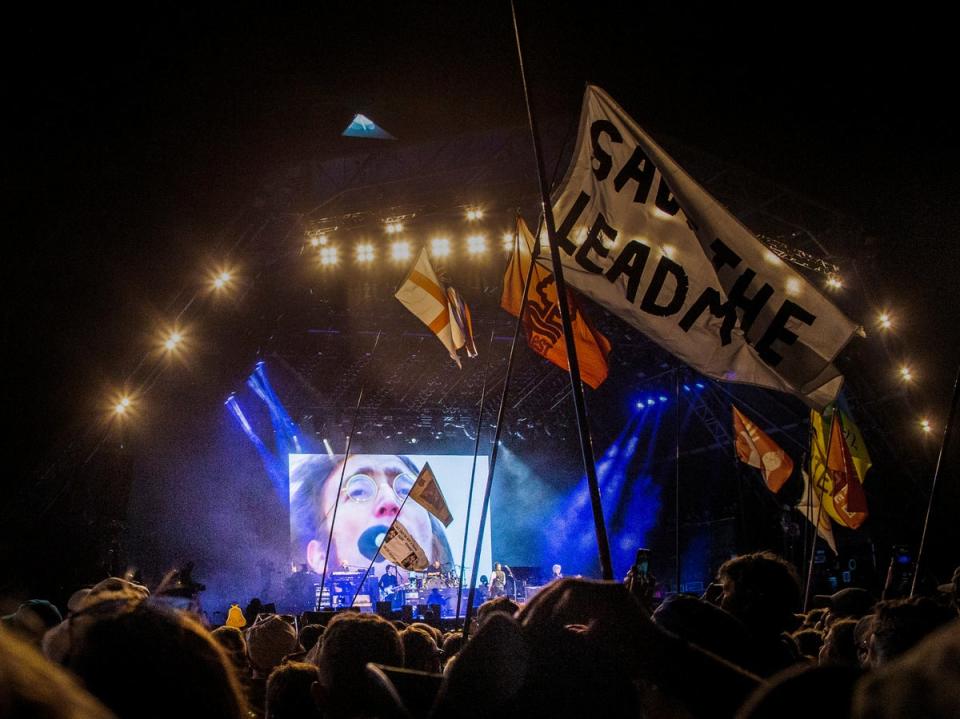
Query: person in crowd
(707, 626)
(33, 686)
(420, 650)
(144, 660)
(310, 634)
(373, 491)
(269, 641)
(762, 590)
(452, 644)
(848, 603)
(289, 692)
(809, 642)
(899, 624)
(351, 641)
(33, 619)
(840, 645)
(924, 681)
(499, 605)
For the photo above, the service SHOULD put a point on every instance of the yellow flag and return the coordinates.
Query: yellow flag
(426, 492)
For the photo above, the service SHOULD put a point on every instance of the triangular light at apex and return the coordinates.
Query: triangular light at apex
(363, 126)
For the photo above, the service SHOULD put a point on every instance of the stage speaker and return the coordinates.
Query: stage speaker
(384, 609)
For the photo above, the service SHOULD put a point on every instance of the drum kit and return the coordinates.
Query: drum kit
(425, 581)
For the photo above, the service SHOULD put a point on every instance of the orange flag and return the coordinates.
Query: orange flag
(849, 499)
(541, 319)
(755, 448)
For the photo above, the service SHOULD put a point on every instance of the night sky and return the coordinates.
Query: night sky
(136, 134)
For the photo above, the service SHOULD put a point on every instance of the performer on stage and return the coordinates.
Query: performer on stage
(498, 581)
(555, 573)
(389, 587)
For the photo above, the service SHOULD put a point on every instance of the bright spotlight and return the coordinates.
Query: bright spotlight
(122, 406)
(663, 398)
(835, 282)
(393, 227)
(925, 426)
(364, 253)
(222, 279)
(476, 244)
(318, 239)
(400, 251)
(698, 385)
(508, 241)
(650, 402)
(474, 214)
(885, 321)
(440, 247)
(173, 341)
(906, 374)
(328, 256)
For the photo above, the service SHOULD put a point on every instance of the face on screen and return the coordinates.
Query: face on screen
(374, 488)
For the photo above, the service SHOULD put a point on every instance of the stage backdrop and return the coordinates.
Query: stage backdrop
(374, 487)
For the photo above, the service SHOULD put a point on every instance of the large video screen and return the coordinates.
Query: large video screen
(374, 488)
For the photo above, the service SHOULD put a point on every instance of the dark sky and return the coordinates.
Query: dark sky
(136, 134)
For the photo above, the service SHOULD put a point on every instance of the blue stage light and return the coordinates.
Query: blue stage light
(663, 398)
(686, 388)
(650, 402)
(699, 385)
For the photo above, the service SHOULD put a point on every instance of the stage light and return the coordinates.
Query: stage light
(686, 388)
(220, 279)
(906, 374)
(122, 405)
(508, 241)
(476, 244)
(328, 256)
(394, 227)
(698, 385)
(318, 239)
(400, 251)
(173, 341)
(885, 321)
(834, 282)
(793, 286)
(364, 253)
(650, 402)
(663, 398)
(413, 440)
(474, 214)
(925, 426)
(440, 247)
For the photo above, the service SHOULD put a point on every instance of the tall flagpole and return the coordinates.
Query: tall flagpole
(343, 470)
(816, 524)
(936, 476)
(484, 508)
(586, 446)
(676, 470)
(473, 473)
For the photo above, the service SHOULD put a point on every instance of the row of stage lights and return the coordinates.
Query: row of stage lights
(220, 280)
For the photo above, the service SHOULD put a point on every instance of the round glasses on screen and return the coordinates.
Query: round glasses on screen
(363, 488)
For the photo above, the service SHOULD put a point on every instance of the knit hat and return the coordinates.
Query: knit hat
(269, 641)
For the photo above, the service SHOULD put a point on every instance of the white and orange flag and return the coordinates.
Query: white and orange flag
(755, 448)
(422, 294)
(810, 506)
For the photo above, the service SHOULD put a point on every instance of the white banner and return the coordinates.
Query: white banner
(640, 237)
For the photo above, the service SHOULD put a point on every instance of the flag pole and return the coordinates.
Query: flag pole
(586, 447)
(816, 524)
(936, 475)
(676, 471)
(473, 471)
(343, 470)
(484, 508)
